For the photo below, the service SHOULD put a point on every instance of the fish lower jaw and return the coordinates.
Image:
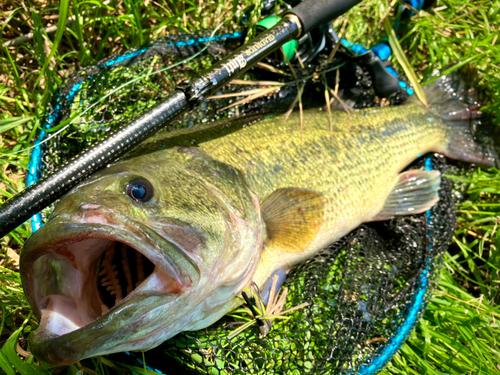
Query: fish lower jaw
(80, 280)
(63, 315)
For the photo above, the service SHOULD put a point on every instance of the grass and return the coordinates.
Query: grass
(458, 333)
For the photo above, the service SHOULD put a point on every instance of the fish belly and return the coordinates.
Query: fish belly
(353, 163)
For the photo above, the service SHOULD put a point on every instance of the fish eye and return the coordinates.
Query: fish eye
(140, 190)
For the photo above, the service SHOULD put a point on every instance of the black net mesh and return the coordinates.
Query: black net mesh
(119, 89)
(365, 292)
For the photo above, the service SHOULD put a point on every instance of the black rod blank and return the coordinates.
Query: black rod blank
(314, 13)
(36, 197)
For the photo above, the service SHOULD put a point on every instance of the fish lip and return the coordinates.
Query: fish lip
(67, 348)
(64, 231)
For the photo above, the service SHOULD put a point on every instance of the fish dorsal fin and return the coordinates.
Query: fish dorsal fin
(415, 191)
(293, 218)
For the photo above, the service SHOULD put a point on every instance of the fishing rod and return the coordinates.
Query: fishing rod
(295, 22)
(386, 81)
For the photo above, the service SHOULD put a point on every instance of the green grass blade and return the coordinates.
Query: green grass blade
(5, 365)
(61, 25)
(403, 61)
(9, 352)
(12, 122)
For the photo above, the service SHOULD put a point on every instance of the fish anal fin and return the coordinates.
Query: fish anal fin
(415, 191)
(293, 218)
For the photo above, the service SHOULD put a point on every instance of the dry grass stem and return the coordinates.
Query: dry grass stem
(294, 103)
(273, 310)
(256, 83)
(262, 92)
(334, 51)
(21, 351)
(272, 68)
(290, 66)
(441, 294)
(474, 234)
(344, 106)
(329, 108)
(236, 94)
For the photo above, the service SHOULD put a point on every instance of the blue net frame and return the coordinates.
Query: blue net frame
(364, 354)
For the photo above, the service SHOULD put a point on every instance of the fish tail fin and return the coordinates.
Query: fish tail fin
(472, 136)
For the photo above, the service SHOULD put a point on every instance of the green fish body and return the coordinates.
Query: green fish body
(212, 209)
(354, 165)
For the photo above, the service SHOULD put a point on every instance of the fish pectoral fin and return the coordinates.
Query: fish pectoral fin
(416, 191)
(293, 218)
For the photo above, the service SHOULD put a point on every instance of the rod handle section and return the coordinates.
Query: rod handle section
(314, 13)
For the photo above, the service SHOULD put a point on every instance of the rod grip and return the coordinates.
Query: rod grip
(314, 13)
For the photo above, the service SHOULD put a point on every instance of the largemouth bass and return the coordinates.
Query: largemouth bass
(163, 240)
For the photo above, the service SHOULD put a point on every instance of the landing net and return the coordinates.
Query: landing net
(365, 293)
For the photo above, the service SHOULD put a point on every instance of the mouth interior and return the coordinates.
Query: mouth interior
(121, 270)
(77, 283)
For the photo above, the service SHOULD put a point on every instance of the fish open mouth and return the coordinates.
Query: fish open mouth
(95, 285)
(77, 280)
(121, 269)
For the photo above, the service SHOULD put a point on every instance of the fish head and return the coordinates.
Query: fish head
(147, 248)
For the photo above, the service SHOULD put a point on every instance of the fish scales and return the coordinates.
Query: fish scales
(354, 166)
